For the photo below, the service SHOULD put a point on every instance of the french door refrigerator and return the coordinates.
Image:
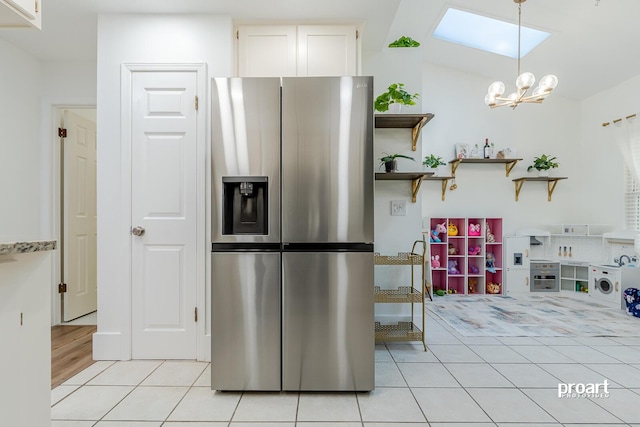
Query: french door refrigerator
(292, 261)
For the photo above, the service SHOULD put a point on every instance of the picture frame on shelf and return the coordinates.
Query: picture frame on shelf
(462, 151)
(507, 153)
(475, 152)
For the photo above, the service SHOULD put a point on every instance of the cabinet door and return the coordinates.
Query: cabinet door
(267, 51)
(27, 7)
(517, 280)
(327, 50)
(20, 13)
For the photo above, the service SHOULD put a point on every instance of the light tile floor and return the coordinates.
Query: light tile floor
(460, 381)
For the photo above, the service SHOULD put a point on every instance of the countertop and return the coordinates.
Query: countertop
(27, 247)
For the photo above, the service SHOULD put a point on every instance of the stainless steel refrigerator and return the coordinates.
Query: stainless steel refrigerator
(292, 234)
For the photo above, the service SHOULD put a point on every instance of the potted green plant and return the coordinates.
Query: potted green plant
(404, 41)
(432, 162)
(390, 163)
(395, 95)
(542, 164)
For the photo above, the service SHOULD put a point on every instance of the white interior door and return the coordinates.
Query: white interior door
(79, 219)
(163, 204)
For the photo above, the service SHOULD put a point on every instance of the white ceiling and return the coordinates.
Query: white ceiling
(592, 47)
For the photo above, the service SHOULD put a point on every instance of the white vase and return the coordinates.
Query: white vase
(543, 173)
(394, 108)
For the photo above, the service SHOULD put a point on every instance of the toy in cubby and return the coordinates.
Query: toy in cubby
(457, 285)
(472, 285)
(491, 262)
(439, 279)
(494, 288)
(452, 267)
(494, 282)
(435, 261)
(456, 227)
(473, 269)
(436, 231)
(474, 229)
(474, 250)
(493, 230)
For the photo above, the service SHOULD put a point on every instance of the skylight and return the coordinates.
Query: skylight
(491, 35)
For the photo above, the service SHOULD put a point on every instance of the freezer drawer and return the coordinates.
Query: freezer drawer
(328, 327)
(245, 323)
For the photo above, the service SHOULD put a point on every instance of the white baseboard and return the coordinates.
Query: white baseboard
(106, 346)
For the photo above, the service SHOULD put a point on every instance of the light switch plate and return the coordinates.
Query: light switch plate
(398, 207)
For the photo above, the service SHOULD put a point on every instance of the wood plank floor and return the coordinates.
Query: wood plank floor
(71, 351)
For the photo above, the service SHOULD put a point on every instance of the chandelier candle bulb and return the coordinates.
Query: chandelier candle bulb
(525, 81)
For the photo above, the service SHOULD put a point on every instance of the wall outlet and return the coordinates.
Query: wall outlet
(398, 207)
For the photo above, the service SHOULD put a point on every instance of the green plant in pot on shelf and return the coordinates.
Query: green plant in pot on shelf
(542, 164)
(390, 163)
(395, 94)
(432, 162)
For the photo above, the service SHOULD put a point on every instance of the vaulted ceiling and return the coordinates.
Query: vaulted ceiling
(593, 45)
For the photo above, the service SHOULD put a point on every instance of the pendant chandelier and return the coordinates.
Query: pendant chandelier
(494, 98)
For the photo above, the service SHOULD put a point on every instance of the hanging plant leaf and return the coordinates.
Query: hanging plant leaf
(404, 42)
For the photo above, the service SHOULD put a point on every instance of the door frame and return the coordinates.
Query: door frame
(52, 110)
(126, 74)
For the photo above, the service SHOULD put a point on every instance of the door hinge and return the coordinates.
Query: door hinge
(195, 314)
(62, 288)
(357, 35)
(196, 103)
(62, 133)
(237, 34)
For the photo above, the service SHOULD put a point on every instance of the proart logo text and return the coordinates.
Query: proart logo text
(566, 390)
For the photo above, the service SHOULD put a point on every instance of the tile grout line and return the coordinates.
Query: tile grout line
(130, 392)
(183, 396)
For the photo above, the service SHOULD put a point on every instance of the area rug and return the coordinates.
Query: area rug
(532, 316)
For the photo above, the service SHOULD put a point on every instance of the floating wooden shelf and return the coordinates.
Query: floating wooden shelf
(415, 178)
(508, 163)
(550, 180)
(405, 121)
(445, 182)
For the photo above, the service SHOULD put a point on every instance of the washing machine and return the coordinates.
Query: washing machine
(608, 282)
(605, 284)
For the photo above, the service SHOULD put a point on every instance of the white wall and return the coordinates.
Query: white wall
(607, 180)
(21, 80)
(553, 128)
(137, 39)
(25, 366)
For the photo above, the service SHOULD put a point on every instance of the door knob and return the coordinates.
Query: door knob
(137, 231)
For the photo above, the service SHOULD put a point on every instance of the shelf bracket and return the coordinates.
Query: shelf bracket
(445, 184)
(551, 185)
(454, 166)
(415, 133)
(518, 183)
(509, 166)
(415, 186)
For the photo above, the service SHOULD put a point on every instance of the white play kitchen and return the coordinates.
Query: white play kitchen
(591, 260)
(472, 256)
